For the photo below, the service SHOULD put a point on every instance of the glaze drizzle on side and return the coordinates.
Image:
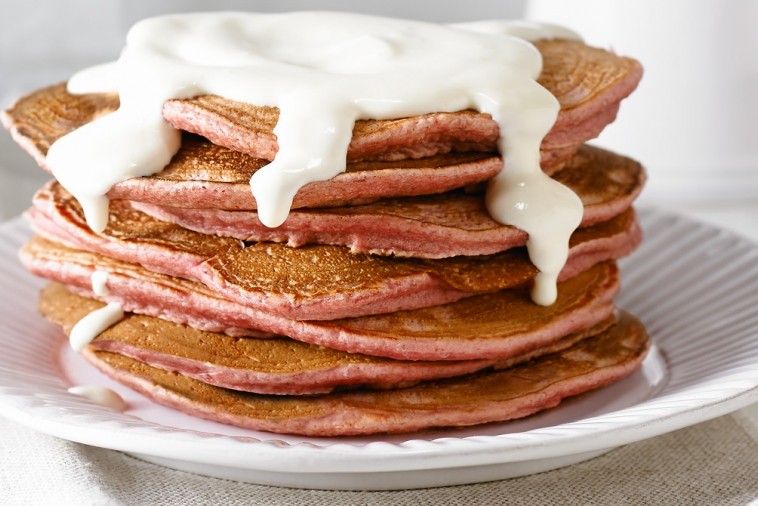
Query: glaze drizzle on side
(89, 327)
(100, 395)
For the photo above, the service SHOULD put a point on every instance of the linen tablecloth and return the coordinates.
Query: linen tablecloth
(712, 463)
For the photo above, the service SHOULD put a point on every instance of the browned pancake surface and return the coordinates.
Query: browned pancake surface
(318, 281)
(270, 366)
(487, 316)
(426, 226)
(200, 160)
(500, 325)
(42, 117)
(576, 74)
(480, 398)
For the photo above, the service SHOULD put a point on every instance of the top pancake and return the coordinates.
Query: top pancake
(589, 83)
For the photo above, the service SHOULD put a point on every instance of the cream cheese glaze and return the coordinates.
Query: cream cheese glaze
(324, 71)
(89, 327)
(100, 395)
(99, 283)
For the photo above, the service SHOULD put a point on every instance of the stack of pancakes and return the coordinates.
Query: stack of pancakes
(389, 301)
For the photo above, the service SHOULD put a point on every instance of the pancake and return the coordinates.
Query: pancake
(433, 226)
(480, 398)
(313, 282)
(268, 366)
(588, 82)
(497, 325)
(204, 175)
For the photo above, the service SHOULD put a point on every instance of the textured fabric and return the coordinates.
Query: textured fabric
(713, 463)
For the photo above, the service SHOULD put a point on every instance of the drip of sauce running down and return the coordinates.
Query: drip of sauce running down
(89, 327)
(85, 331)
(100, 395)
(324, 71)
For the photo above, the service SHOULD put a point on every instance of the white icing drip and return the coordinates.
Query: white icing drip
(100, 395)
(89, 327)
(99, 281)
(324, 71)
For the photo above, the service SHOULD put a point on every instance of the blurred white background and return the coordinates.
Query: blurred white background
(692, 119)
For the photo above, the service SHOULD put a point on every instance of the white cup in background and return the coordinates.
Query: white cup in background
(693, 121)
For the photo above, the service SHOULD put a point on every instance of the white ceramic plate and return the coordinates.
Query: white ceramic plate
(694, 286)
